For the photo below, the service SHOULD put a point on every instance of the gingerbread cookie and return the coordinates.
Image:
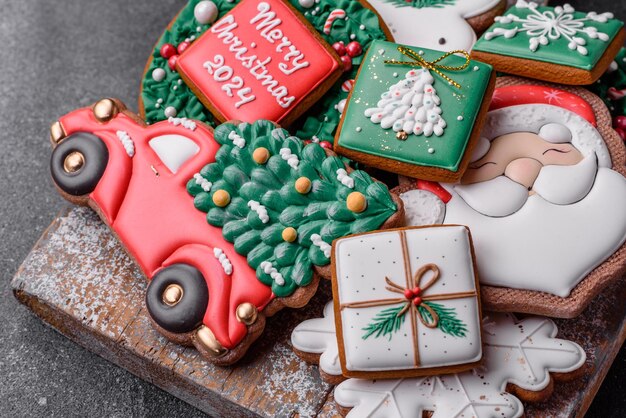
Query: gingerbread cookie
(282, 203)
(262, 60)
(406, 302)
(202, 291)
(556, 44)
(544, 197)
(349, 26)
(611, 87)
(521, 360)
(415, 111)
(443, 24)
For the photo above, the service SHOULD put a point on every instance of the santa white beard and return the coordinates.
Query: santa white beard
(558, 184)
(545, 246)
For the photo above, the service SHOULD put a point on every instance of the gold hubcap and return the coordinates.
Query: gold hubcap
(247, 313)
(207, 339)
(172, 295)
(105, 110)
(73, 162)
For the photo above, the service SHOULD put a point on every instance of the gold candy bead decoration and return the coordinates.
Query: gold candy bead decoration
(172, 295)
(356, 202)
(221, 198)
(289, 234)
(303, 185)
(402, 136)
(261, 155)
(247, 313)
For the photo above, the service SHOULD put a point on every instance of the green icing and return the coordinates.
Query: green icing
(502, 38)
(319, 122)
(322, 211)
(418, 4)
(615, 79)
(460, 108)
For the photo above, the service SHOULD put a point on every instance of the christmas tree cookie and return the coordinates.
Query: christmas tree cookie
(347, 25)
(282, 203)
(556, 44)
(415, 111)
(406, 302)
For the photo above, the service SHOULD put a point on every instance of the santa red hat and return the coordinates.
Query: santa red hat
(555, 115)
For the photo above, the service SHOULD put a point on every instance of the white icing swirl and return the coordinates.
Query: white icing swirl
(317, 240)
(267, 267)
(224, 261)
(202, 182)
(260, 210)
(291, 159)
(127, 142)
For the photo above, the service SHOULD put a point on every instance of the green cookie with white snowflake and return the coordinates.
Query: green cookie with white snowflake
(556, 44)
(415, 111)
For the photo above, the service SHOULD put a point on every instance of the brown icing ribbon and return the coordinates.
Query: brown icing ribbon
(413, 295)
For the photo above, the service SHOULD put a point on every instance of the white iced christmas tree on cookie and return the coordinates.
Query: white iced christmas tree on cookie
(410, 106)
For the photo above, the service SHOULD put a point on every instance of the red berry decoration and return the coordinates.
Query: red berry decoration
(182, 46)
(408, 294)
(326, 144)
(168, 51)
(307, 141)
(620, 122)
(171, 62)
(347, 63)
(417, 301)
(621, 133)
(354, 49)
(340, 48)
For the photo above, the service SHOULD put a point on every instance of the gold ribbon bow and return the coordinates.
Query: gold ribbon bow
(419, 61)
(413, 295)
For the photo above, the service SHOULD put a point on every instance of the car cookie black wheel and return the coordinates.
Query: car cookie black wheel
(78, 163)
(177, 298)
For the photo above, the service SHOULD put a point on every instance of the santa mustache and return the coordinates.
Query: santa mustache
(557, 184)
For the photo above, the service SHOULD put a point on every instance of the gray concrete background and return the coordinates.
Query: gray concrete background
(56, 56)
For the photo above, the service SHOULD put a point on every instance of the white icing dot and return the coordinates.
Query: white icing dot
(459, 118)
(157, 105)
(159, 100)
(421, 52)
(253, 45)
(192, 38)
(313, 13)
(175, 88)
(476, 68)
(158, 74)
(359, 129)
(317, 9)
(307, 4)
(381, 51)
(205, 12)
(180, 81)
(362, 27)
(170, 111)
(353, 36)
(395, 74)
(199, 29)
(431, 150)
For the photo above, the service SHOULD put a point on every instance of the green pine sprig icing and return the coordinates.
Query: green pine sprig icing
(322, 211)
(388, 321)
(449, 323)
(385, 323)
(418, 4)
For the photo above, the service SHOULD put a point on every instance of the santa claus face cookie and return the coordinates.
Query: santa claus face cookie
(544, 200)
(443, 24)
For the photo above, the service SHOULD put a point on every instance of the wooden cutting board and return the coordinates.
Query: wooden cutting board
(79, 280)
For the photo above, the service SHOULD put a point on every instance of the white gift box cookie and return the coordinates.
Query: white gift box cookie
(406, 302)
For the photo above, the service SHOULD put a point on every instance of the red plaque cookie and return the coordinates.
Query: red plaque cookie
(262, 60)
